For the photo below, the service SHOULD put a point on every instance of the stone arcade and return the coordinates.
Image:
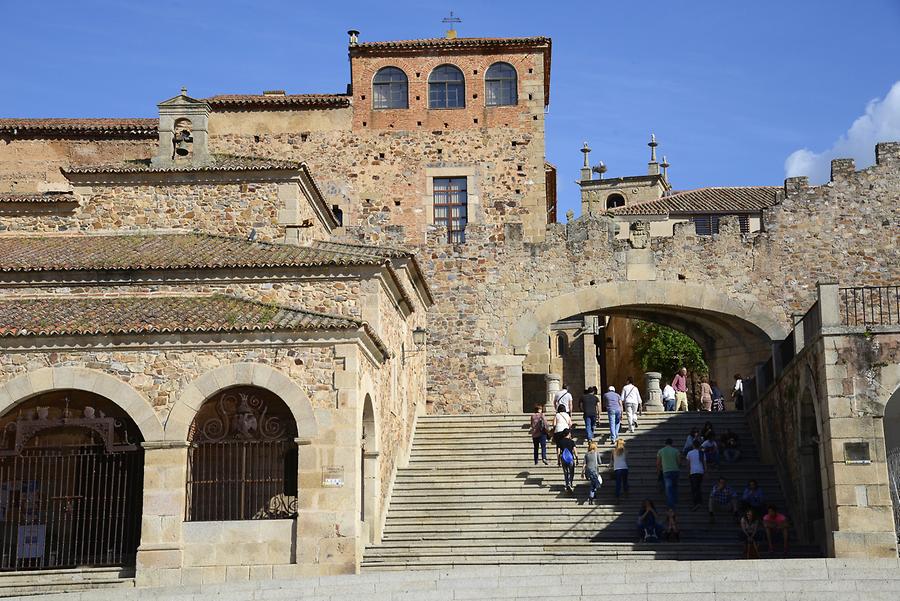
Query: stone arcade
(230, 302)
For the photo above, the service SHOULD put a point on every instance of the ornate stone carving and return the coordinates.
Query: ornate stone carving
(639, 234)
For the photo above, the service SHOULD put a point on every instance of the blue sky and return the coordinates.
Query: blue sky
(730, 88)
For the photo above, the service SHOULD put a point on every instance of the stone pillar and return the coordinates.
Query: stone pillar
(799, 336)
(554, 385)
(591, 367)
(829, 303)
(653, 403)
(160, 554)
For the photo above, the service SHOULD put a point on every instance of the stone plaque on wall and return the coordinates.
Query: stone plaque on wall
(333, 476)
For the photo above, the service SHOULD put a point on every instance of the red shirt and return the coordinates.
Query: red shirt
(679, 383)
(777, 520)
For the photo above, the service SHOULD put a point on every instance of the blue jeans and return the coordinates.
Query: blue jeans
(569, 474)
(594, 477)
(590, 422)
(540, 441)
(615, 420)
(669, 404)
(621, 482)
(671, 483)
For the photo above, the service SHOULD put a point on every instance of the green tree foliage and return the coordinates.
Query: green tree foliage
(660, 348)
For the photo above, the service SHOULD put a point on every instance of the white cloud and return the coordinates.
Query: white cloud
(880, 123)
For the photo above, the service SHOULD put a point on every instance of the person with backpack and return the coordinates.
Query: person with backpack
(591, 470)
(648, 523)
(631, 399)
(568, 459)
(538, 430)
(589, 404)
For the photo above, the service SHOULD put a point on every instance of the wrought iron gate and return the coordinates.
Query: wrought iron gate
(69, 505)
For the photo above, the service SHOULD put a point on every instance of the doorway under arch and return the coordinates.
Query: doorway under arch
(71, 483)
(891, 424)
(812, 491)
(368, 473)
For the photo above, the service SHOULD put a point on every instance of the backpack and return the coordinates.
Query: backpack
(567, 457)
(650, 536)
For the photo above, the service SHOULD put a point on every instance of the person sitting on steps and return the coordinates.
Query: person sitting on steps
(772, 521)
(731, 447)
(722, 496)
(750, 534)
(753, 498)
(672, 531)
(648, 523)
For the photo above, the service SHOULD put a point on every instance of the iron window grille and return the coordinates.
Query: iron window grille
(242, 458)
(707, 225)
(390, 89)
(500, 85)
(446, 88)
(451, 207)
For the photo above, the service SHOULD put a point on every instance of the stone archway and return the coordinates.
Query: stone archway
(50, 379)
(810, 453)
(369, 476)
(240, 374)
(891, 425)
(736, 331)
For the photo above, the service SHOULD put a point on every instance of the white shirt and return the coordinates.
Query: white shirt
(562, 422)
(564, 397)
(739, 386)
(619, 462)
(668, 392)
(696, 461)
(631, 395)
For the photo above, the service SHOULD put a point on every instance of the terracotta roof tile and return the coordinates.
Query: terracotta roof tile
(221, 162)
(277, 101)
(156, 251)
(451, 43)
(748, 199)
(136, 128)
(80, 316)
(48, 197)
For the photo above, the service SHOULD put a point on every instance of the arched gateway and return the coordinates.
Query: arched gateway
(71, 473)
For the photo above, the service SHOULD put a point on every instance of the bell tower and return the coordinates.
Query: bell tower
(183, 132)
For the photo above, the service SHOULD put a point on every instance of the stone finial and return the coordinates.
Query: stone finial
(842, 168)
(652, 166)
(586, 168)
(570, 215)
(665, 167)
(354, 36)
(184, 90)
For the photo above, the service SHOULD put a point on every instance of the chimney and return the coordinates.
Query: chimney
(354, 37)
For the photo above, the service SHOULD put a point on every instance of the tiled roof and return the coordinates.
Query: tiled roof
(221, 162)
(153, 251)
(452, 43)
(141, 128)
(749, 199)
(38, 197)
(277, 101)
(81, 316)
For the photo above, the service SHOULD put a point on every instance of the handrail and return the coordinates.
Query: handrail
(870, 305)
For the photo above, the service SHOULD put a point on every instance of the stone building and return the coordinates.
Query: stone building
(281, 250)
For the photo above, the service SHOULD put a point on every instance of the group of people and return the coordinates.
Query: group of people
(675, 397)
(702, 448)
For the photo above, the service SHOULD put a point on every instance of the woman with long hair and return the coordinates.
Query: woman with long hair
(591, 470)
(620, 467)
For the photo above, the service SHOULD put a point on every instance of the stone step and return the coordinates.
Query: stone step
(46, 582)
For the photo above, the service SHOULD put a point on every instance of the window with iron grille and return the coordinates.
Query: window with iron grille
(707, 225)
(500, 85)
(390, 89)
(451, 207)
(242, 458)
(446, 88)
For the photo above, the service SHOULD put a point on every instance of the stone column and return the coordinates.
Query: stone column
(160, 554)
(653, 403)
(829, 304)
(554, 385)
(591, 367)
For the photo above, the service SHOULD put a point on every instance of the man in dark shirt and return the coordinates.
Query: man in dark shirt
(589, 404)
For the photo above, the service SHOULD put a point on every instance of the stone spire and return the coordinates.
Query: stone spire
(652, 166)
(665, 168)
(586, 167)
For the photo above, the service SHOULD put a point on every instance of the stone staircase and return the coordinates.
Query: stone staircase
(471, 495)
(47, 582)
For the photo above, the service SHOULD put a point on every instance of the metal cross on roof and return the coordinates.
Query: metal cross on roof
(451, 19)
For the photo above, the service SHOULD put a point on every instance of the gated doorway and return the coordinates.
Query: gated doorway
(71, 476)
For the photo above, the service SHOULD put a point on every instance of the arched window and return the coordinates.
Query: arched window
(446, 88)
(390, 89)
(562, 344)
(615, 200)
(500, 85)
(242, 458)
